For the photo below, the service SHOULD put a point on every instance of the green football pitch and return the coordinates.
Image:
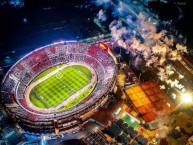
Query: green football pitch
(130, 121)
(58, 87)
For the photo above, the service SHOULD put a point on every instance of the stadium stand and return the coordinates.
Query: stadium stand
(27, 68)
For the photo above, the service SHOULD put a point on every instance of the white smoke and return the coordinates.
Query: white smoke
(168, 41)
(180, 77)
(168, 70)
(174, 55)
(181, 48)
(118, 31)
(162, 87)
(163, 128)
(175, 83)
(162, 74)
(153, 61)
(101, 2)
(144, 49)
(102, 16)
(174, 96)
(183, 90)
(152, 48)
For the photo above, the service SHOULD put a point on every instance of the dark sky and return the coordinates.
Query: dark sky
(172, 11)
(41, 22)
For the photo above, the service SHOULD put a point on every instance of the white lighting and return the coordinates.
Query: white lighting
(132, 120)
(186, 98)
(174, 96)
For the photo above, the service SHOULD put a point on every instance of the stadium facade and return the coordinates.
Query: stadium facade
(19, 77)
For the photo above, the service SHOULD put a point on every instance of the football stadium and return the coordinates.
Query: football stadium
(58, 87)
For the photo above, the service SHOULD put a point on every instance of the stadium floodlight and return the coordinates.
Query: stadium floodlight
(186, 98)
(124, 114)
(132, 120)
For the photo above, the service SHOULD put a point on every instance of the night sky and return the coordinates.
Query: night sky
(40, 22)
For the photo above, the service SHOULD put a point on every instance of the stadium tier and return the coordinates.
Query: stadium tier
(65, 81)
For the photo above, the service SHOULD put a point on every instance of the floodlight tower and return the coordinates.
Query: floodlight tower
(186, 98)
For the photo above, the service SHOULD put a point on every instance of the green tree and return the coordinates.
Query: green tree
(113, 130)
(141, 140)
(176, 134)
(123, 138)
(134, 143)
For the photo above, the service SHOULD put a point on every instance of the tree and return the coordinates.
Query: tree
(128, 130)
(134, 143)
(163, 141)
(133, 133)
(123, 138)
(119, 122)
(176, 134)
(113, 130)
(188, 124)
(119, 139)
(139, 115)
(141, 140)
(123, 126)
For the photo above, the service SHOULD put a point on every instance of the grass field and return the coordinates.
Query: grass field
(78, 99)
(45, 73)
(60, 86)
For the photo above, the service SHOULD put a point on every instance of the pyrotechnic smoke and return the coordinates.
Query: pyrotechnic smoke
(118, 32)
(181, 48)
(180, 77)
(15, 3)
(102, 16)
(137, 32)
(162, 87)
(121, 79)
(175, 83)
(162, 126)
(174, 96)
(101, 2)
(164, 73)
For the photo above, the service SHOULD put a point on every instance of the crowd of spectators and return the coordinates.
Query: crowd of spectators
(27, 68)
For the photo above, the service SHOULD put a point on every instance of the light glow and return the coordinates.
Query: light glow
(132, 120)
(186, 98)
(124, 114)
(168, 104)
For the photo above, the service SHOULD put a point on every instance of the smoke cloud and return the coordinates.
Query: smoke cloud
(136, 31)
(101, 2)
(102, 16)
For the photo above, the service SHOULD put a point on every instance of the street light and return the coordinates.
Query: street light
(186, 98)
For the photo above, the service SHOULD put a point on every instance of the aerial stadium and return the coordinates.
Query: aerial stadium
(59, 86)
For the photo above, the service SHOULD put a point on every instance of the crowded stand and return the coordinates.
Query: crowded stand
(27, 68)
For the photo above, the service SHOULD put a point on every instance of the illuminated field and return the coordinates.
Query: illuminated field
(56, 88)
(129, 120)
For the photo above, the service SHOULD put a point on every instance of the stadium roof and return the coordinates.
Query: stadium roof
(149, 100)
